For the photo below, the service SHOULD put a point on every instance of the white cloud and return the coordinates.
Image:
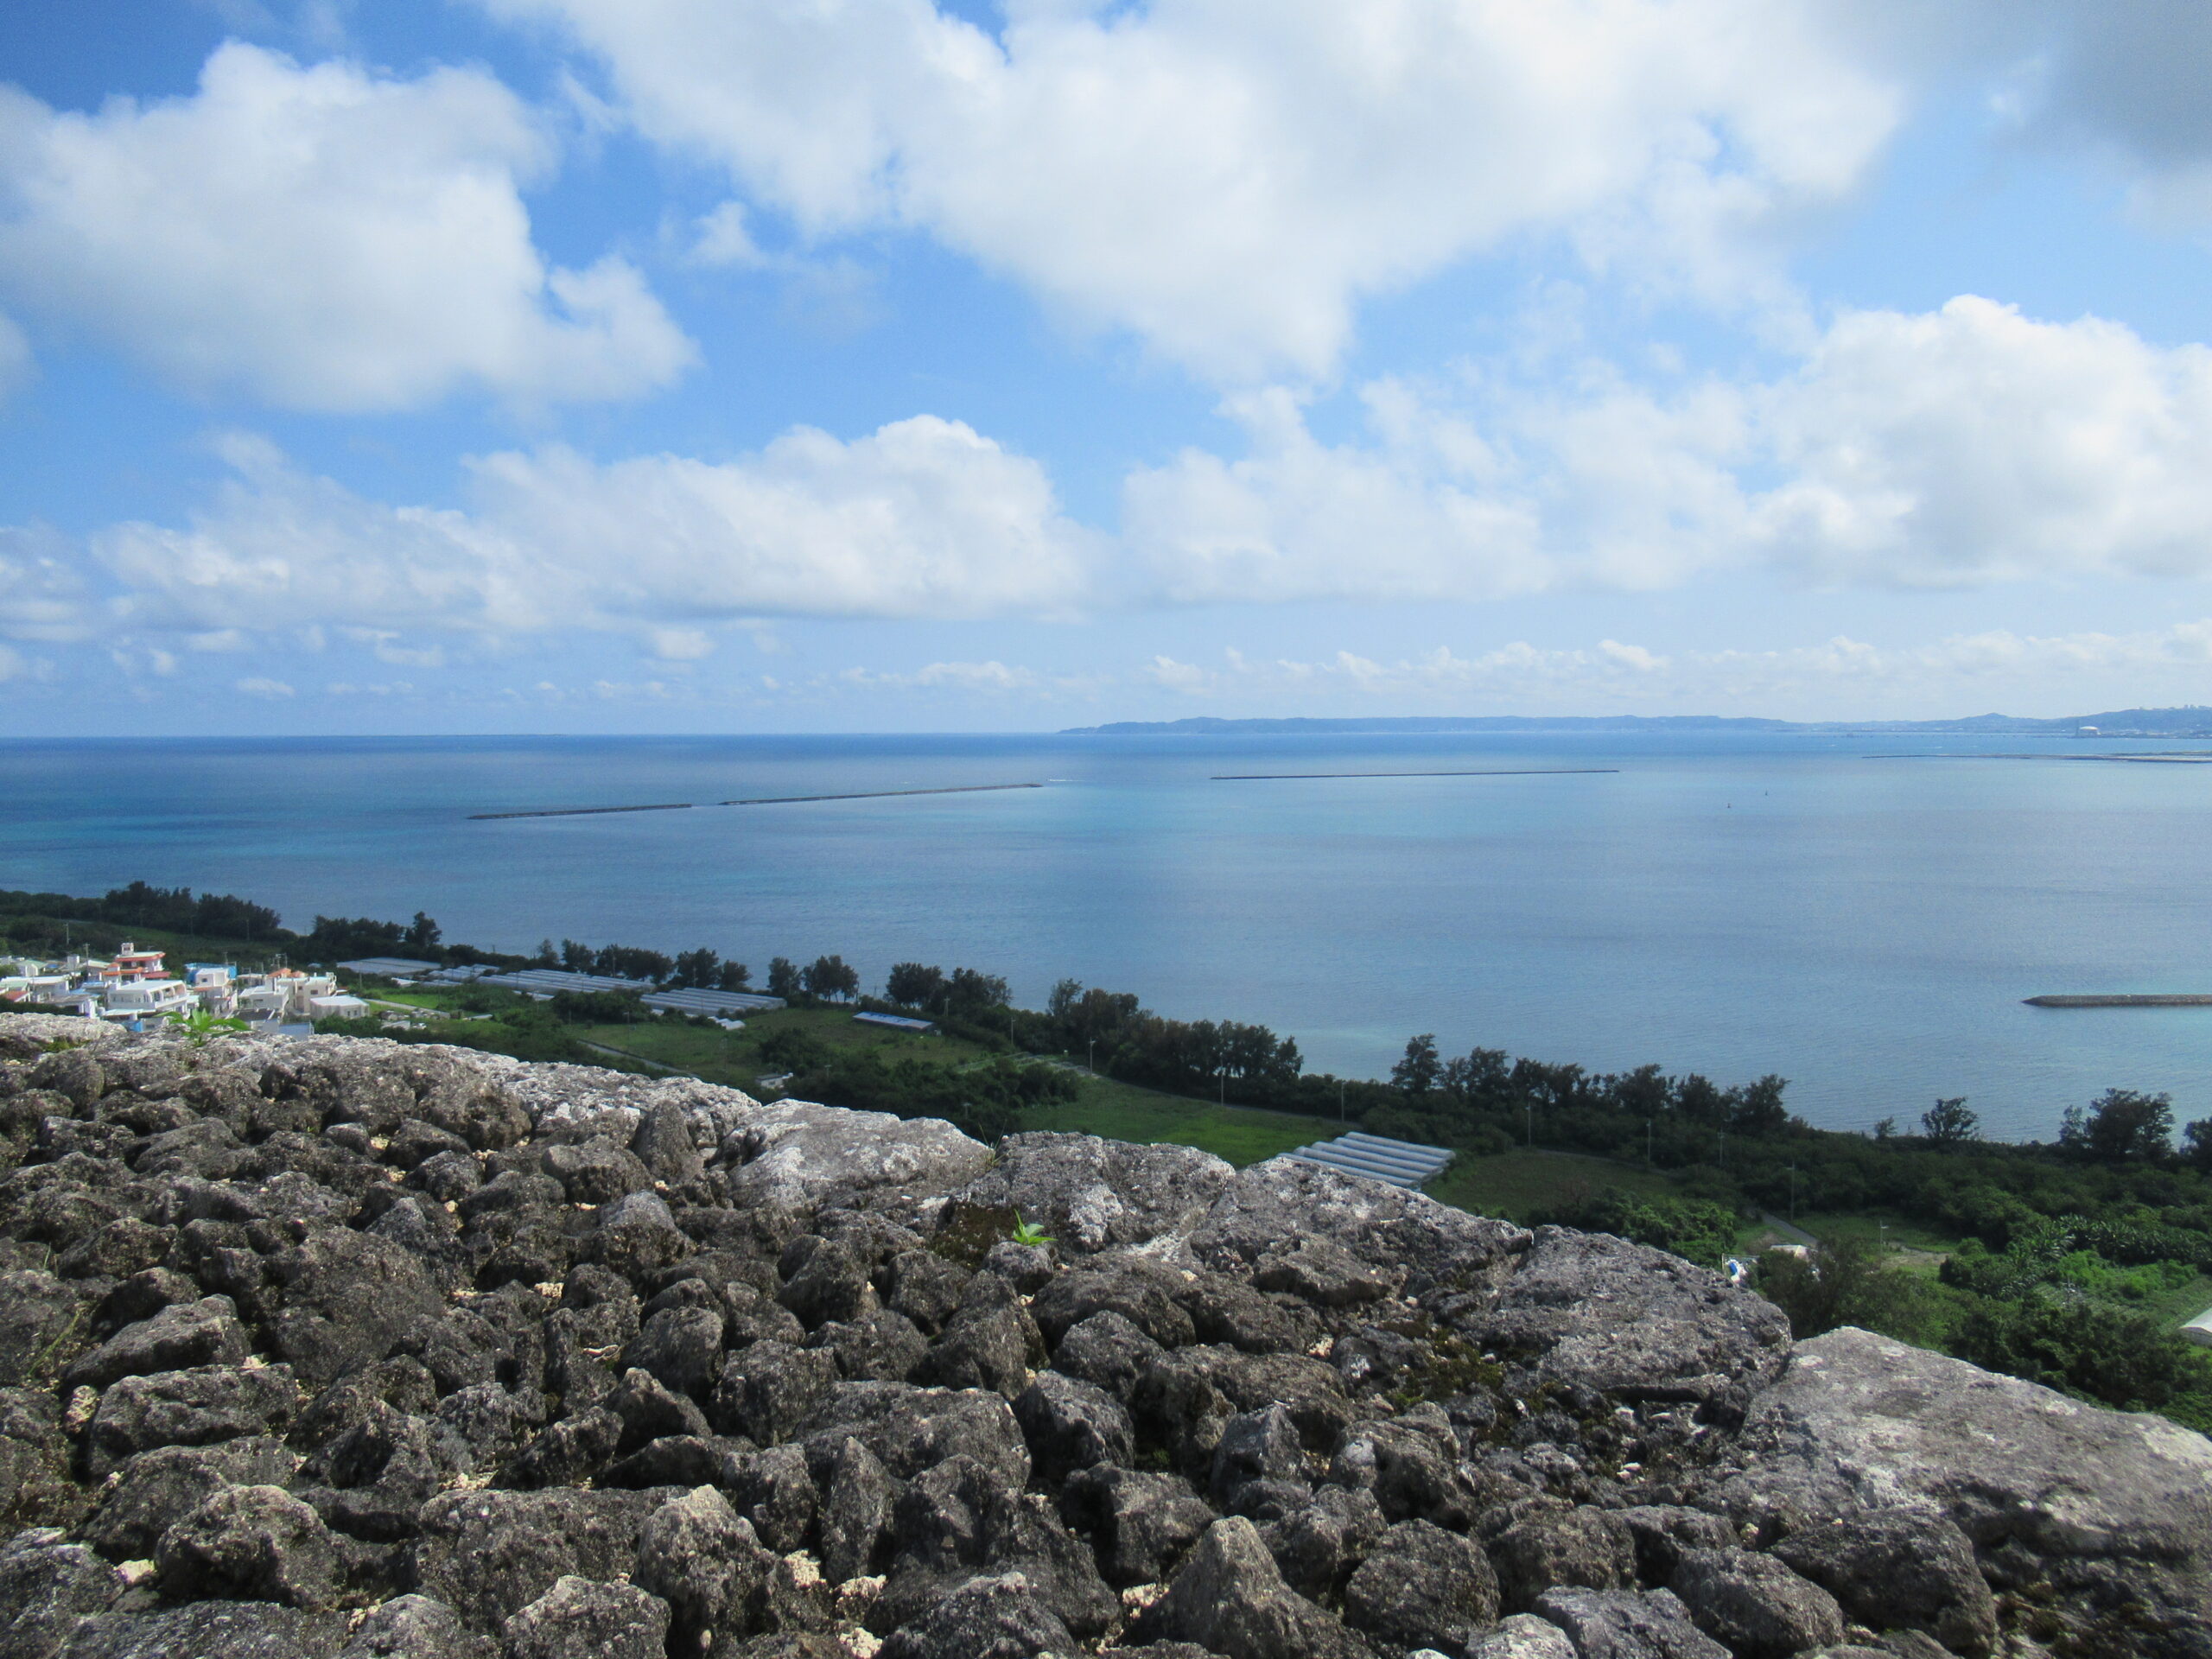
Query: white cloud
(681, 645)
(260, 686)
(1959, 447)
(320, 238)
(921, 518)
(990, 677)
(41, 597)
(1226, 178)
(721, 238)
(1974, 443)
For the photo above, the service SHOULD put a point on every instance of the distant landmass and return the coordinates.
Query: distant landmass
(2192, 720)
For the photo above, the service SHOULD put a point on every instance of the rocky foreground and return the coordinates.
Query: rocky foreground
(342, 1348)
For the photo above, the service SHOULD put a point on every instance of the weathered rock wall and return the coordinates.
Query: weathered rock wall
(335, 1347)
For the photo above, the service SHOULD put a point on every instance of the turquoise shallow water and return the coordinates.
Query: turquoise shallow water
(1729, 904)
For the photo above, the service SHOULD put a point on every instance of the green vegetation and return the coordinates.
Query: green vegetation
(1527, 1185)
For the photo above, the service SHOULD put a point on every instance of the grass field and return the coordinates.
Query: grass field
(1512, 1185)
(1239, 1134)
(1877, 1227)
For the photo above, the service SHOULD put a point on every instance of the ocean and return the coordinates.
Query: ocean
(1719, 903)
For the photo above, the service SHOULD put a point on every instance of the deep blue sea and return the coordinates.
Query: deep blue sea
(1731, 905)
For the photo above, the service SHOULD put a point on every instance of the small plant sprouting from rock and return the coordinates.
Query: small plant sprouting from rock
(200, 1027)
(1029, 1233)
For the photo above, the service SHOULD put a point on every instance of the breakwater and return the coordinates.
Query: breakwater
(2162, 1000)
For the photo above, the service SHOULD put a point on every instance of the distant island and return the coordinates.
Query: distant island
(2191, 720)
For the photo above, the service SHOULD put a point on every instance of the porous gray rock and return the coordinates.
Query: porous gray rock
(1524, 1635)
(209, 1629)
(198, 1407)
(1627, 1625)
(1317, 1544)
(1228, 1598)
(47, 1586)
(1585, 1549)
(257, 1543)
(1070, 1425)
(205, 1333)
(580, 1618)
(41, 1326)
(1421, 1587)
(803, 1157)
(998, 1617)
(417, 1627)
(1142, 1522)
(487, 1555)
(1391, 1229)
(1382, 1394)
(1093, 1195)
(702, 1557)
(1601, 1313)
(767, 1390)
(1142, 1289)
(2084, 1500)
(1896, 1568)
(856, 1504)
(910, 1429)
(1753, 1604)
(1108, 1349)
(155, 1489)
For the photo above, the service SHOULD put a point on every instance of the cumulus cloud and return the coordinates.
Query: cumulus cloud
(1974, 443)
(1967, 445)
(41, 596)
(1226, 178)
(320, 238)
(260, 686)
(922, 517)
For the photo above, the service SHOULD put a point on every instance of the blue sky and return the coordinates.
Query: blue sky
(713, 366)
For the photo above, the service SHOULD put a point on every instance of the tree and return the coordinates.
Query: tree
(1418, 1072)
(733, 976)
(547, 956)
(2120, 1126)
(2196, 1145)
(912, 985)
(701, 968)
(576, 957)
(783, 979)
(970, 992)
(1948, 1123)
(829, 976)
(1844, 1282)
(1756, 1108)
(423, 934)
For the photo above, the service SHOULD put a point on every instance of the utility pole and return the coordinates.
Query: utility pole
(1094, 1057)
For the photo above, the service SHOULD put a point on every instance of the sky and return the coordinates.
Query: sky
(720, 365)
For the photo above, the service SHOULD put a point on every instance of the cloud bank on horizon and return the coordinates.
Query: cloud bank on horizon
(713, 364)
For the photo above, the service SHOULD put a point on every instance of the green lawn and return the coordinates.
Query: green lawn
(1514, 1185)
(732, 1057)
(1877, 1227)
(1120, 1111)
